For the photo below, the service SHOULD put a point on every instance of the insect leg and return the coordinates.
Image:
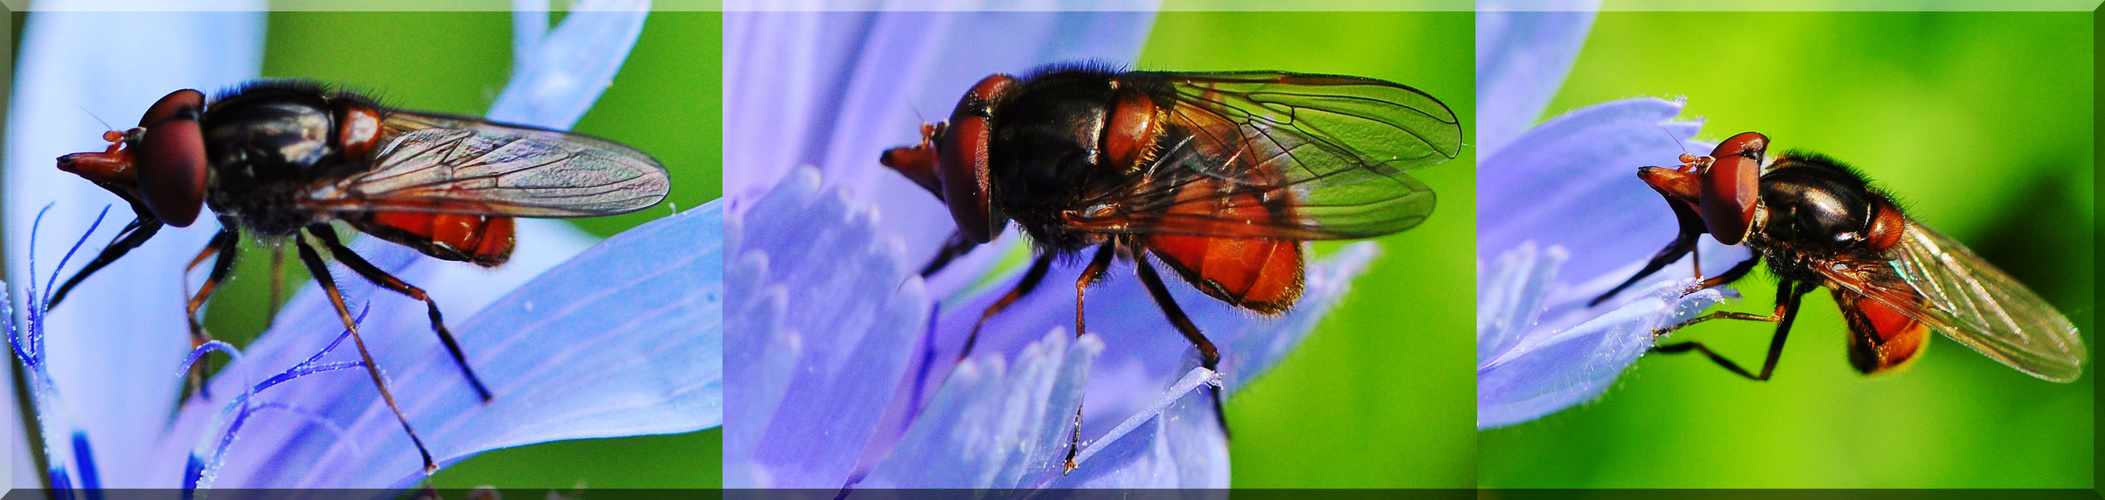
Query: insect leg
(1788, 294)
(222, 250)
(1734, 274)
(336, 298)
(350, 259)
(1030, 282)
(131, 237)
(224, 245)
(1684, 242)
(1209, 357)
(952, 248)
(1090, 275)
(277, 286)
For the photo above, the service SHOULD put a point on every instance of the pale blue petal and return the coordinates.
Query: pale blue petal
(1509, 300)
(1521, 61)
(566, 71)
(829, 312)
(75, 67)
(1553, 370)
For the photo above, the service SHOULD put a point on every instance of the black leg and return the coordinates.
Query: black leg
(1209, 357)
(1734, 274)
(222, 250)
(350, 259)
(1788, 294)
(321, 275)
(277, 286)
(952, 248)
(1090, 275)
(1030, 282)
(133, 235)
(1691, 225)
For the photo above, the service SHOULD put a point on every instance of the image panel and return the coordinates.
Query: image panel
(1917, 186)
(1291, 188)
(531, 193)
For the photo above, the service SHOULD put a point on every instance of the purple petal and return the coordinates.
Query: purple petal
(835, 89)
(74, 67)
(1541, 346)
(1521, 61)
(1139, 337)
(1509, 300)
(1141, 343)
(622, 340)
(1582, 166)
(829, 315)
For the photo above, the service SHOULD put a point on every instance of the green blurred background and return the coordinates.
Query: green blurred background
(666, 101)
(1380, 395)
(1981, 124)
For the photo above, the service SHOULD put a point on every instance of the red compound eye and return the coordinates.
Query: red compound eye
(1732, 186)
(170, 157)
(962, 160)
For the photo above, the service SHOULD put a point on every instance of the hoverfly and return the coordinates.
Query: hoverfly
(1222, 176)
(1820, 223)
(282, 160)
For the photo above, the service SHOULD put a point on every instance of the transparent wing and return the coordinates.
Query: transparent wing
(1937, 281)
(453, 165)
(1285, 156)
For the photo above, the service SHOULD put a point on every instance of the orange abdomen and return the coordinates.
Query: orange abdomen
(1880, 338)
(483, 240)
(1255, 274)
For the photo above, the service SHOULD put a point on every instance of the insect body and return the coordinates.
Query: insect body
(282, 160)
(1222, 176)
(1819, 223)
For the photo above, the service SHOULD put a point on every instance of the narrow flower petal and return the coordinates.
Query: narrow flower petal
(1510, 299)
(622, 340)
(1576, 365)
(992, 427)
(1521, 60)
(566, 71)
(829, 315)
(1139, 336)
(76, 67)
(1179, 446)
(1140, 341)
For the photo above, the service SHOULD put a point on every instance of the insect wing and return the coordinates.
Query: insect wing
(1947, 287)
(1283, 156)
(486, 168)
